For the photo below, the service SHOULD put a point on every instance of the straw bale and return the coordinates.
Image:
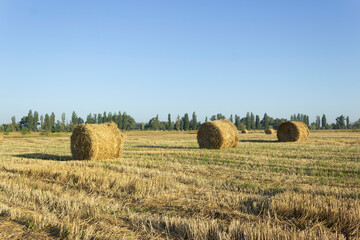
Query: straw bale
(293, 131)
(218, 134)
(269, 131)
(96, 141)
(244, 131)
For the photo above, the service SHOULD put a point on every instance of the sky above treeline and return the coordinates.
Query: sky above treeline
(159, 57)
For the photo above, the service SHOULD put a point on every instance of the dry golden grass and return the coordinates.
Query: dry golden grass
(165, 187)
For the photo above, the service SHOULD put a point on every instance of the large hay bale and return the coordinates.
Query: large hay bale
(269, 131)
(218, 134)
(293, 131)
(244, 131)
(96, 141)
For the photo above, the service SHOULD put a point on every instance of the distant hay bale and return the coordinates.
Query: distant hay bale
(293, 131)
(96, 141)
(244, 131)
(269, 131)
(218, 134)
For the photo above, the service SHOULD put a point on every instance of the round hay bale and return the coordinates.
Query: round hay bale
(293, 131)
(244, 131)
(218, 134)
(269, 131)
(96, 141)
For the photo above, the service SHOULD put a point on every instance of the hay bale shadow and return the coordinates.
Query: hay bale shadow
(165, 147)
(260, 141)
(44, 156)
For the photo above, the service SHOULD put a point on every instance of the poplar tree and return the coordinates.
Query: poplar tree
(177, 125)
(186, 122)
(323, 121)
(194, 123)
(104, 118)
(99, 118)
(317, 122)
(169, 125)
(62, 128)
(74, 121)
(231, 119)
(42, 121)
(36, 121)
(47, 123)
(124, 121)
(248, 121)
(156, 125)
(52, 121)
(119, 120)
(89, 118)
(30, 120)
(252, 119)
(257, 122)
(347, 122)
(266, 121)
(237, 122)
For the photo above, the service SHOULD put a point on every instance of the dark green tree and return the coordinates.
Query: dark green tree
(231, 119)
(186, 122)
(219, 116)
(124, 121)
(62, 126)
(13, 127)
(30, 121)
(252, 120)
(177, 125)
(340, 122)
(74, 121)
(257, 122)
(323, 121)
(237, 122)
(194, 122)
(36, 121)
(99, 118)
(206, 119)
(52, 121)
(248, 121)
(47, 123)
(317, 122)
(347, 122)
(213, 118)
(119, 120)
(169, 123)
(95, 118)
(42, 121)
(156, 125)
(89, 118)
(104, 118)
(266, 121)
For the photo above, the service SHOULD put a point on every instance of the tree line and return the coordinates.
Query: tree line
(47, 123)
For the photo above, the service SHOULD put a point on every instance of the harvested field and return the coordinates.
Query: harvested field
(164, 187)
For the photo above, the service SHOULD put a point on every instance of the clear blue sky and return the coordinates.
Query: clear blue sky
(160, 57)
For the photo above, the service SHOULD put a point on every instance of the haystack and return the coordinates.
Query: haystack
(96, 141)
(244, 131)
(293, 131)
(269, 131)
(218, 134)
